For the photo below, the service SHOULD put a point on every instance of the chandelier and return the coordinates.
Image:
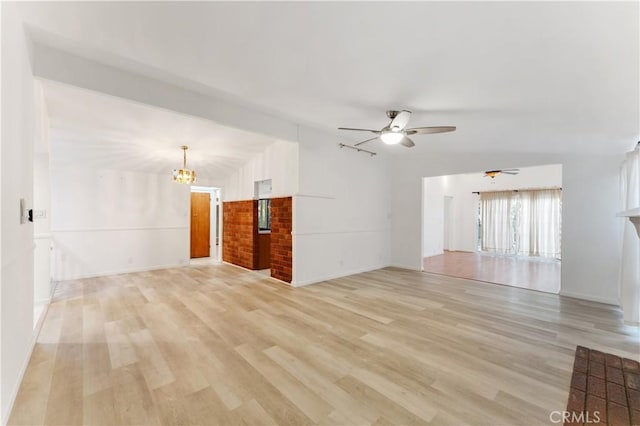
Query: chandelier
(184, 175)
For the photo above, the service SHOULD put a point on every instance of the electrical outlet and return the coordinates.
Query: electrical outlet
(39, 214)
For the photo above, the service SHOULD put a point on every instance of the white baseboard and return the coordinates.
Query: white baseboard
(25, 364)
(119, 271)
(336, 275)
(589, 298)
(408, 267)
(255, 271)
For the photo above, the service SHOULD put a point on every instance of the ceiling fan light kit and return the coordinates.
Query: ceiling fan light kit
(396, 132)
(391, 137)
(493, 173)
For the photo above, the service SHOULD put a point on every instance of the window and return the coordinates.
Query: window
(264, 214)
(521, 222)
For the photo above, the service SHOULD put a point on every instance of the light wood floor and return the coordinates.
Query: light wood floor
(535, 273)
(215, 344)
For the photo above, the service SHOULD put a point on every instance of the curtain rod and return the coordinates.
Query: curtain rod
(515, 190)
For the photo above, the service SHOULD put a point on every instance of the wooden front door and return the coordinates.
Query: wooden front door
(200, 222)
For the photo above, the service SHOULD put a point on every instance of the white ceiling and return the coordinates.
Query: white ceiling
(96, 130)
(513, 76)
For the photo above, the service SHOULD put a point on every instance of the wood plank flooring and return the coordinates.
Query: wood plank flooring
(534, 273)
(214, 344)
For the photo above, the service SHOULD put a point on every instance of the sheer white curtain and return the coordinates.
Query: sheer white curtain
(539, 222)
(630, 268)
(497, 228)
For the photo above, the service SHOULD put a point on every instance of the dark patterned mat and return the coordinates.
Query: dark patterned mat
(605, 389)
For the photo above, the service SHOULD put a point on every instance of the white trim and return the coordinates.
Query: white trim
(336, 276)
(328, 197)
(25, 364)
(42, 236)
(208, 189)
(407, 267)
(45, 301)
(142, 228)
(120, 271)
(258, 273)
(365, 231)
(589, 298)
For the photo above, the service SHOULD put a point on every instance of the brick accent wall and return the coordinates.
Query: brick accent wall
(281, 247)
(240, 233)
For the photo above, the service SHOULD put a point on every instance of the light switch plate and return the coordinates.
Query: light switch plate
(23, 212)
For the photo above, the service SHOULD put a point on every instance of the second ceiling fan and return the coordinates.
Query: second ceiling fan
(493, 173)
(397, 133)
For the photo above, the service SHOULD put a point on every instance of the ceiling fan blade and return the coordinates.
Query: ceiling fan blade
(509, 173)
(429, 130)
(368, 140)
(407, 142)
(400, 121)
(510, 170)
(359, 130)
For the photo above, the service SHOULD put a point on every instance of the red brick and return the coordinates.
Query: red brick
(576, 400)
(596, 387)
(618, 415)
(596, 356)
(613, 361)
(579, 381)
(632, 379)
(616, 393)
(615, 375)
(634, 399)
(239, 235)
(596, 407)
(281, 245)
(630, 365)
(596, 369)
(575, 418)
(581, 365)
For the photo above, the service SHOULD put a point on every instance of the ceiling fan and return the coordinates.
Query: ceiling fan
(396, 132)
(493, 173)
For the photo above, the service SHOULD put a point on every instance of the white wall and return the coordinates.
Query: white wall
(278, 162)
(461, 187)
(434, 190)
(113, 221)
(336, 188)
(342, 211)
(590, 234)
(341, 217)
(42, 229)
(42, 284)
(16, 181)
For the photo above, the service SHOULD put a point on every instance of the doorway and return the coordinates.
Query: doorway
(204, 223)
(263, 190)
(447, 222)
(497, 226)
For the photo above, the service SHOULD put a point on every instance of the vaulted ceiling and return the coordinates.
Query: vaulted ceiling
(96, 130)
(513, 76)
